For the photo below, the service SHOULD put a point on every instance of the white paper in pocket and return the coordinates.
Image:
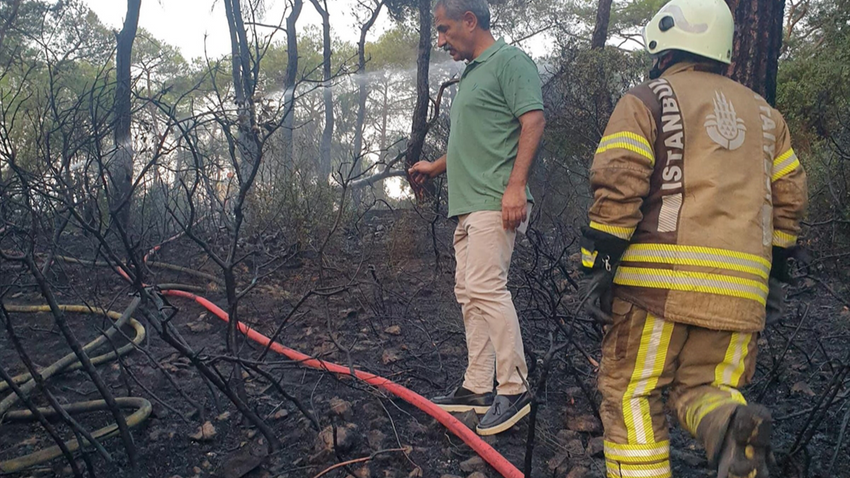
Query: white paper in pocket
(523, 226)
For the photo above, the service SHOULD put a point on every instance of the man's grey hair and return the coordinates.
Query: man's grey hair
(456, 8)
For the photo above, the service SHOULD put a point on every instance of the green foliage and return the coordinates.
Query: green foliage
(632, 16)
(396, 48)
(814, 96)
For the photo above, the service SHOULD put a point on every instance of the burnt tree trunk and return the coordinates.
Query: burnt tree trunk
(420, 112)
(327, 135)
(604, 101)
(758, 43)
(246, 160)
(120, 168)
(600, 30)
(244, 86)
(289, 81)
(363, 94)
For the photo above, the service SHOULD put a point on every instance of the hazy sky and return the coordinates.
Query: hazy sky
(184, 23)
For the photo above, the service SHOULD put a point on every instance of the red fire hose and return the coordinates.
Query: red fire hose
(491, 456)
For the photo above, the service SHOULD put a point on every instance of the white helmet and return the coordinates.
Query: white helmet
(702, 27)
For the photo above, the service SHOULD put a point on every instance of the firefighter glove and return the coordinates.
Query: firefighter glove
(775, 301)
(601, 254)
(779, 269)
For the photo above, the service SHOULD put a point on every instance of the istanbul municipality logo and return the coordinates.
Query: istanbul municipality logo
(724, 127)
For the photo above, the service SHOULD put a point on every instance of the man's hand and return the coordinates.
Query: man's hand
(421, 171)
(424, 170)
(514, 209)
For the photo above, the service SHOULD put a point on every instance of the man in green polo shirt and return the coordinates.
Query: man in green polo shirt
(496, 125)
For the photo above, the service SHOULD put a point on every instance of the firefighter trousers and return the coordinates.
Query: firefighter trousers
(702, 370)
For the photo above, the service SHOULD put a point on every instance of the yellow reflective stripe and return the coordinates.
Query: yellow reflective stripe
(783, 239)
(737, 396)
(627, 135)
(629, 147)
(648, 470)
(624, 233)
(696, 411)
(588, 258)
(738, 370)
(637, 453)
(727, 376)
(784, 164)
(729, 372)
(692, 282)
(698, 256)
(649, 366)
(629, 141)
(707, 405)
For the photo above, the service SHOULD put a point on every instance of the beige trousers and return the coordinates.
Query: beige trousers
(641, 356)
(483, 250)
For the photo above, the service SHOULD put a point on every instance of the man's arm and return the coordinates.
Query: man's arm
(790, 197)
(423, 170)
(620, 180)
(514, 200)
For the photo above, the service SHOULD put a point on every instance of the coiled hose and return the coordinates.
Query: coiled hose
(69, 363)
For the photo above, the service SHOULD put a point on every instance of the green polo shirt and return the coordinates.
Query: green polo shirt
(496, 89)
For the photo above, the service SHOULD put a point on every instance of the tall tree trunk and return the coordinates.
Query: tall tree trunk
(289, 81)
(363, 94)
(604, 101)
(246, 163)
(600, 30)
(420, 112)
(244, 86)
(758, 43)
(328, 133)
(121, 164)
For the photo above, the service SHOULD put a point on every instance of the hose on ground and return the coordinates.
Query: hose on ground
(66, 364)
(490, 455)
(143, 410)
(69, 362)
(160, 265)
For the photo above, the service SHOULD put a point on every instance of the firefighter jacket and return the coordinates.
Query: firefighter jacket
(697, 173)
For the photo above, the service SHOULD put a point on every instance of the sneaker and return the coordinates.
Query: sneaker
(746, 449)
(504, 413)
(462, 400)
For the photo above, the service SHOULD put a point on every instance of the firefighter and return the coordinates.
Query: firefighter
(697, 202)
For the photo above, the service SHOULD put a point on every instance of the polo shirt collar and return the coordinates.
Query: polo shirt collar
(490, 51)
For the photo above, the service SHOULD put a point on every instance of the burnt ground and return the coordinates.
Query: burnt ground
(395, 317)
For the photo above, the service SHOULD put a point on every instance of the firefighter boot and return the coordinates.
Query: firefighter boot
(738, 442)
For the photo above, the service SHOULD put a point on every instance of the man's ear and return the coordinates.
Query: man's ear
(470, 21)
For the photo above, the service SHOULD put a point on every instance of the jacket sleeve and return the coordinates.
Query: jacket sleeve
(790, 197)
(619, 178)
(789, 190)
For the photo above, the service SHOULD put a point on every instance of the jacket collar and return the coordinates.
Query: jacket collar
(685, 66)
